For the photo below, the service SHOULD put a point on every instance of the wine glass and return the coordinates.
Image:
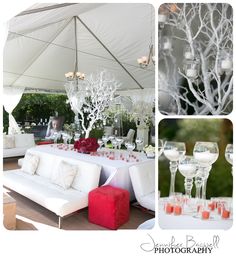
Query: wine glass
(69, 138)
(205, 153)
(120, 140)
(105, 139)
(65, 137)
(100, 143)
(139, 143)
(229, 154)
(130, 147)
(77, 136)
(160, 147)
(114, 143)
(174, 151)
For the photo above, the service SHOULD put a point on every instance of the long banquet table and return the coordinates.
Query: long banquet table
(170, 221)
(114, 172)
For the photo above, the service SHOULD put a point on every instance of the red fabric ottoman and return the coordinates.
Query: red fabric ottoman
(108, 206)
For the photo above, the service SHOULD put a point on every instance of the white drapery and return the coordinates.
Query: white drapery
(11, 98)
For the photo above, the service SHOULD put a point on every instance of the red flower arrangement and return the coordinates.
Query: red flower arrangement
(86, 145)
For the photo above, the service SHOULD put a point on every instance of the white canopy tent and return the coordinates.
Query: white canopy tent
(40, 47)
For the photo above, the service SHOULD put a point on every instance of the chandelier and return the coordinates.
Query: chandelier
(144, 61)
(75, 75)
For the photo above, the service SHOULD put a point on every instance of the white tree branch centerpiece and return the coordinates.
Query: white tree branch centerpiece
(90, 98)
(142, 113)
(200, 81)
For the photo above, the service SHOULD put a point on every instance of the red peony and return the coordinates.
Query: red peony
(86, 145)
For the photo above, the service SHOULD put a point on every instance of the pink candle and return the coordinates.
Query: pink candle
(169, 208)
(225, 214)
(177, 210)
(205, 215)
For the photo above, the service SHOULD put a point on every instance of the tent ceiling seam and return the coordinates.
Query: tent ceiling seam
(106, 48)
(84, 52)
(37, 28)
(42, 9)
(41, 51)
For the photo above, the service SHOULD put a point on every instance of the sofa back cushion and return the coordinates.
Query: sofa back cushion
(24, 140)
(143, 178)
(30, 163)
(87, 177)
(8, 141)
(64, 174)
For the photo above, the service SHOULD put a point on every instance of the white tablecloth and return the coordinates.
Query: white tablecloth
(114, 172)
(170, 221)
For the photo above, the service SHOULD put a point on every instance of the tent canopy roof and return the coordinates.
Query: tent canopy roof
(40, 47)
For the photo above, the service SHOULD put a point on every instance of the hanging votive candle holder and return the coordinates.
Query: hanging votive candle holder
(226, 61)
(163, 15)
(188, 53)
(191, 69)
(166, 44)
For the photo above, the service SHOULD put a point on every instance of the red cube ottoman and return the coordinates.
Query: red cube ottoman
(108, 206)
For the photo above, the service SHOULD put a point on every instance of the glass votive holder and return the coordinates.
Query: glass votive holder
(178, 208)
(204, 212)
(212, 204)
(169, 206)
(226, 209)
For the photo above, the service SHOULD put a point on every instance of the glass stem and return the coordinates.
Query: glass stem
(206, 172)
(198, 193)
(188, 184)
(173, 170)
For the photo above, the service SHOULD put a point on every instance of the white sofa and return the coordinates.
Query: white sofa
(17, 145)
(143, 182)
(40, 188)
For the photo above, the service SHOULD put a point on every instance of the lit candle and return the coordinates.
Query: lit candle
(225, 214)
(205, 157)
(191, 73)
(167, 45)
(188, 55)
(177, 210)
(227, 64)
(205, 215)
(169, 208)
(162, 18)
(172, 154)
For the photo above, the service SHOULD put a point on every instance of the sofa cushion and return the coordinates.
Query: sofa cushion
(64, 174)
(8, 141)
(30, 163)
(87, 177)
(24, 140)
(42, 191)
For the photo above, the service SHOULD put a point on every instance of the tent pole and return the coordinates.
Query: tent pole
(105, 47)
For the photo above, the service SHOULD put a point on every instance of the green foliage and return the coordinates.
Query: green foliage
(96, 133)
(32, 107)
(220, 181)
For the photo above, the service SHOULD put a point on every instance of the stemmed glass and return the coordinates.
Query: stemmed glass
(173, 151)
(139, 143)
(120, 140)
(229, 155)
(114, 143)
(130, 147)
(77, 136)
(205, 153)
(65, 137)
(69, 138)
(56, 136)
(160, 147)
(188, 168)
(105, 139)
(100, 143)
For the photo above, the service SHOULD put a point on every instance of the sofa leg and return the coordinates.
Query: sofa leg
(59, 222)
